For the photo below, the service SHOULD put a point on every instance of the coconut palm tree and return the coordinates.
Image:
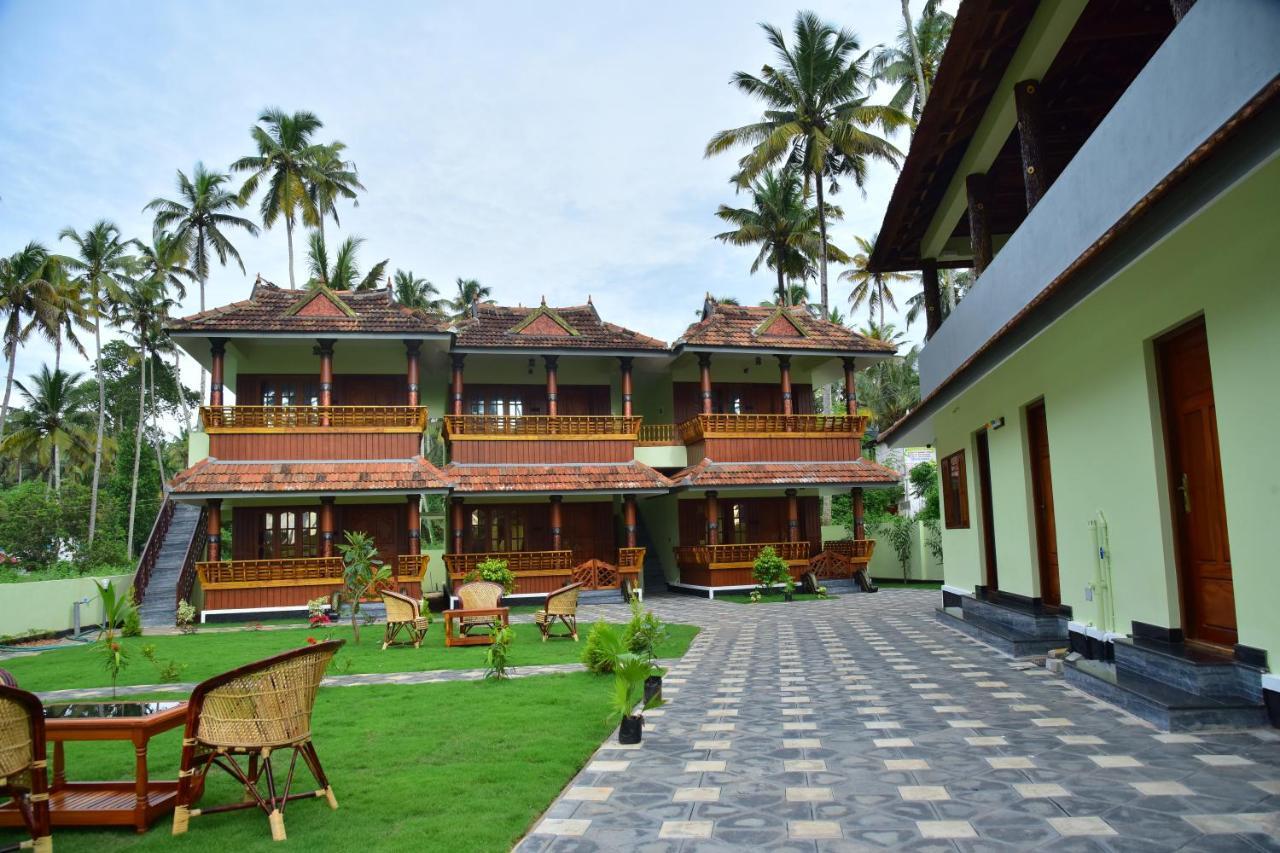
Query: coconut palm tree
(27, 301)
(202, 217)
(52, 422)
(795, 293)
(414, 292)
(816, 108)
(891, 388)
(952, 286)
(344, 272)
(164, 265)
(911, 64)
(69, 311)
(331, 178)
(470, 293)
(873, 289)
(102, 260)
(286, 162)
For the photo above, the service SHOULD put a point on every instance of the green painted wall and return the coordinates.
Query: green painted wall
(658, 515)
(49, 605)
(1095, 371)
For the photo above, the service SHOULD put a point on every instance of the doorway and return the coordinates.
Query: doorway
(988, 514)
(1042, 504)
(1195, 481)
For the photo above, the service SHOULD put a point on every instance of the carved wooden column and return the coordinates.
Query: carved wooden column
(850, 385)
(784, 367)
(458, 360)
(457, 523)
(1180, 8)
(629, 519)
(413, 522)
(713, 519)
(625, 362)
(555, 522)
(932, 297)
(979, 224)
(324, 349)
(213, 530)
(704, 380)
(412, 352)
(326, 527)
(1035, 177)
(859, 529)
(218, 354)
(793, 516)
(551, 361)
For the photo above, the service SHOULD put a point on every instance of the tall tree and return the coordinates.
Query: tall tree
(69, 311)
(201, 216)
(874, 289)
(911, 64)
(470, 292)
(102, 259)
(286, 161)
(344, 272)
(414, 292)
(816, 108)
(53, 421)
(164, 267)
(27, 301)
(331, 178)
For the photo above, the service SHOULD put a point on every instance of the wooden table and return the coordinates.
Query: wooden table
(137, 802)
(451, 617)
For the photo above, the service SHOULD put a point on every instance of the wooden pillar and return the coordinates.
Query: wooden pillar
(326, 527)
(555, 522)
(412, 351)
(784, 367)
(713, 519)
(932, 297)
(458, 360)
(704, 379)
(793, 516)
(859, 529)
(850, 384)
(625, 361)
(1035, 177)
(217, 353)
(456, 525)
(213, 530)
(413, 522)
(979, 224)
(1180, 8)
(551, 362)
(629, 519)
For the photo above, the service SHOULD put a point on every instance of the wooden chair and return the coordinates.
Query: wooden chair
(403, 614)
(7, 679)
(479, 595)
(563, 605)
(254, 710)
(23, 776)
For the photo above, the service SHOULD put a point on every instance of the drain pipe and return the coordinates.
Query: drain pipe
(75, 617)
(1102, 582)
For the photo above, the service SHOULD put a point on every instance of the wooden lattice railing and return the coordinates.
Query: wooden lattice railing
(771, 426)
(738, 555)
(292, 418)
(151, 551)
(295, 570)
(596, 574)
(630, 560)
(517, 561)
(858, 550)
(195, 552)
(412, 565)
(541, 426)
(658, 434)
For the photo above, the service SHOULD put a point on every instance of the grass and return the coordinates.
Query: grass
(208, 654)
(465, 766)
(771, 598)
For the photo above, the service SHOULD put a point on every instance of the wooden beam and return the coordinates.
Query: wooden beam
(793, 516)
(629, 519)
(412, 350)
(1035, 174)
(218, 353)
(326, 527)
(551, 362)
(458, 360)
(457, 525)
(556, 526)
(784, 368)
(859, 527)
(932, 297)
(413, 523)
(704, 380)
(979, 223)
(213, 530)
(713, 519)
(625, 363)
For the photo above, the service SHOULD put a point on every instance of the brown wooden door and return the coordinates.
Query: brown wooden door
(1195, 475)
(383, 522)
(1042, 498)
(988, 514)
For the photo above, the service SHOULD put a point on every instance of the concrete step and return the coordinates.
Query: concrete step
(1165, 706)
(1018, 620)
(1196, 670)
(998, 635)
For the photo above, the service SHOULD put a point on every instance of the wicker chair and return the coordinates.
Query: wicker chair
(254, 710)
(7, 679)
(563, 605)
(23, 776)
(479, 595)
(403, 614)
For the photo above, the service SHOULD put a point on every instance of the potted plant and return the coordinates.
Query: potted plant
(362, 575)
(629, 674)
(789, 589)
(494, 570)
(769, 570)
(645, 633)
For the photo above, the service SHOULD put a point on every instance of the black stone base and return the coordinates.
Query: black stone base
(1271, 699)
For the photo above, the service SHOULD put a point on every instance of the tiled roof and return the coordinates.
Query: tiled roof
(555, 479)
(709, 474)
(541, 327)
(771, 327)
(273, 309)
(212, 477)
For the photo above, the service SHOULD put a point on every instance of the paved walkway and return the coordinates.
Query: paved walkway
(862, 724)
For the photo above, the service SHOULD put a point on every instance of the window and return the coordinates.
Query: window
(955, 490)
(498, 529)
(310, 534)
(288, 533)
(737, 532)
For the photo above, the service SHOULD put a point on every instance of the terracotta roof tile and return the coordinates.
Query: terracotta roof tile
(273, 309)
(564, 478)
(540, 327)
(770, 327)
(213, 477)
(709, 474)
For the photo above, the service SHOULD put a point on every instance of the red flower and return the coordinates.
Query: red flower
(115, 647)
(311, 641)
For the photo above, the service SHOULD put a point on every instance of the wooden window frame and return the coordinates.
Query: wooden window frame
(955, 490)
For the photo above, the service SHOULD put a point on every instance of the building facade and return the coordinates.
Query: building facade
(1099, 399)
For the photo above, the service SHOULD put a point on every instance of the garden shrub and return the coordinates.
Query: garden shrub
(494, 570)
(497, 659)
(602, 648)
(30, 518)
(769, 570)
(645, 632)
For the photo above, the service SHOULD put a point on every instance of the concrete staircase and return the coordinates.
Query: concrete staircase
(160, 599)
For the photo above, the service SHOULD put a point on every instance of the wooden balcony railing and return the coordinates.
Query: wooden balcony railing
(544, 571)
(771, 426)
(291, 571)
(151, 551)
(465, 427)
(195, 551)
(658, 435)
(738, 555)
(857, 550)
(227, 419)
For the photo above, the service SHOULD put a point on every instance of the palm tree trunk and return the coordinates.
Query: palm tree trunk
(11, 352)
(137, 451)
(288, 232)
(155, 424)
(822, 242)
(783, 294)
(57, 350)
(102, 409)
(57, 469)
(921, 91)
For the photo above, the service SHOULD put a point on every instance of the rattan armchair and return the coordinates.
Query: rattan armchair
(479, 595)
(23, 773)
(255, 710)
(563, 605)
(403, 614)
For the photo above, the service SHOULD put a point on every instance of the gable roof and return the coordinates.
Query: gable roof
(211, 476)
(773, 327)
(577, 327)
(321, 311)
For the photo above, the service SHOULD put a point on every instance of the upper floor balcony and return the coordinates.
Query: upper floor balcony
(496, 439)
(313, 432)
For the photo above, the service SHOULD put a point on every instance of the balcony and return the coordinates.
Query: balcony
(248, 585)
(293, 419)
(773, 438)
(541, 439)
(540, 572)
(721, 566)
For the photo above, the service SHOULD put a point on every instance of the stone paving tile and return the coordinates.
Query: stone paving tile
(917, 738)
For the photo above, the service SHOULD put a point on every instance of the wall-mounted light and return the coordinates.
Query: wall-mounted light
(995, 423)
(530, 365)
(758, 361)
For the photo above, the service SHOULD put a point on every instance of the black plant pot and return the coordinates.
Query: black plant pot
(630, 730)
(652, 688)
(788, 596)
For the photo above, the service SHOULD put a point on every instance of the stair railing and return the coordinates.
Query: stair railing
(195, 551)
(151, 551)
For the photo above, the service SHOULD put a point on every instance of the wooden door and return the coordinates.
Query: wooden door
(988, 514)
(1042, 498)
(1195, 480)
(383, 523)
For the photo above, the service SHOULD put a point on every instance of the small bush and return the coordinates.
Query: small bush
(769, 570)
(602, 648)
(497, 659)
(168, 670)
(131, 619)
(186, 617)
(495, 571)
(754, 597)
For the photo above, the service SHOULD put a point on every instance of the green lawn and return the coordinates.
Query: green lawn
(209, 654)
(465, 766)
(771, 598)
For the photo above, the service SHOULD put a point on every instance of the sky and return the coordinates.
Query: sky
(551, 149)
